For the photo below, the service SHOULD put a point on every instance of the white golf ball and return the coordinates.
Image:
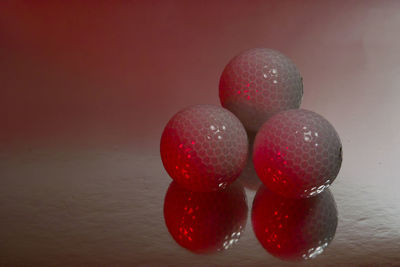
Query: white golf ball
(258, 83)
(297, 153)
(204, 147)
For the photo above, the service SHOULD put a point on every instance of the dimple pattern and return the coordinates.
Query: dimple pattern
(204, 147)
(204, 222)
(259, 83)
(297, 153)
(294, 229)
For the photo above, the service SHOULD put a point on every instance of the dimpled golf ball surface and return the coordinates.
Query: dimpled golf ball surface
(294, 229)
(205, 222)
(204, 147)
(259, 83)
(297, 153)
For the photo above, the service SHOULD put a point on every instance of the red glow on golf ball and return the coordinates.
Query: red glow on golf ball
(258, 83)
(297, 153)
(204, 147)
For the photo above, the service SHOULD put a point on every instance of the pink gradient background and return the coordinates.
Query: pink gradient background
(86, 89)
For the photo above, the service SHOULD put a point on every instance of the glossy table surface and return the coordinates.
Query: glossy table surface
(86, 91)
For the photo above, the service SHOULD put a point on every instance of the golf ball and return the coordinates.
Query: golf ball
(204, 147)
(294, 229)
(204, 222)
(258, 83)
(297, 153)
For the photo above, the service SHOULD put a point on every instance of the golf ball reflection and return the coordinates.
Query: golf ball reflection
(294, 229)
(205, 222)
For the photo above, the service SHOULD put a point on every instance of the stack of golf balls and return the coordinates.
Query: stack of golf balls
(296, 153)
